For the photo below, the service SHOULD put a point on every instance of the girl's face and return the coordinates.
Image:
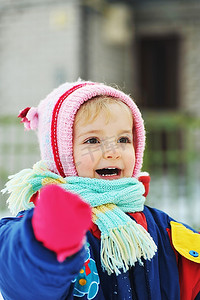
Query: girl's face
(104, 149)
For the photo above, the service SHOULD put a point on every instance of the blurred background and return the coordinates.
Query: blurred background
(149, 49)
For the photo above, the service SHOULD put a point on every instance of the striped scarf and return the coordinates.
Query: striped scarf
(123, 241)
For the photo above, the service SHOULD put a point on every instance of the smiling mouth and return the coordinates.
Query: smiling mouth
(109, 172)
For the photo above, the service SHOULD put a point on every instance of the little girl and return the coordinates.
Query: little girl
(82, 230)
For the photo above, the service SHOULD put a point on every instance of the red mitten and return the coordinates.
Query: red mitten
(60, 221)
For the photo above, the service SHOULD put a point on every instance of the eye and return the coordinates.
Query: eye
(92, 140)
(124, 140)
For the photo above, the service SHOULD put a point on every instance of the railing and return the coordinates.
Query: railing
(173, 160)
(171, 157)
(18, 150)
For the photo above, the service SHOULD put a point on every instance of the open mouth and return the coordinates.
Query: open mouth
(109, 172)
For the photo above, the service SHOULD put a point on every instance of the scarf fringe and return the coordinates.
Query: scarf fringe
(20, 191)
(123, 241)
(23, 185)
(124, 246)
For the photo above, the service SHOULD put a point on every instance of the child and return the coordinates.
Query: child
(92, 140)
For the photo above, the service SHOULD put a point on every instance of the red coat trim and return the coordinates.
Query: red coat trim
(140, 219)
(34, 198)
(145, 179)
(138, 216)
(189, 274)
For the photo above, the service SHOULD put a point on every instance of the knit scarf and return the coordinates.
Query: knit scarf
(123, 241)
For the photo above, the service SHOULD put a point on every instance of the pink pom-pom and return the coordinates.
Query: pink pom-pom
(29, 116)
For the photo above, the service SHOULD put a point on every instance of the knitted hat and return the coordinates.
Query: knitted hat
(54, 120)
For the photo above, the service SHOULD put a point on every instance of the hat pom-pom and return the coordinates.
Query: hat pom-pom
(29, 116)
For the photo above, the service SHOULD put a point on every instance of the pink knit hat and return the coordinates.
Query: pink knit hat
(54, 120)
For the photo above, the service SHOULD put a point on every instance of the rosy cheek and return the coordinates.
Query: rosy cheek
(85, 158)
(84, 165)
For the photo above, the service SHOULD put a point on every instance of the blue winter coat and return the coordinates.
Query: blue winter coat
(29, 271)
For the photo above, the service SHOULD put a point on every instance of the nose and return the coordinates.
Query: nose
(112, 153)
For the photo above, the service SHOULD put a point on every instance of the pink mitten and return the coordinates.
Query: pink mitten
(60, 221)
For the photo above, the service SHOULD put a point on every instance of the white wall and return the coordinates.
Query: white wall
(39, 49)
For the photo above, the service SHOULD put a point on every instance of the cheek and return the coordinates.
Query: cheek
(84, 166)
(130, 159)
(85, 162)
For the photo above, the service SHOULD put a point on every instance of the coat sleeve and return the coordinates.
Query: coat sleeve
(28, 270)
